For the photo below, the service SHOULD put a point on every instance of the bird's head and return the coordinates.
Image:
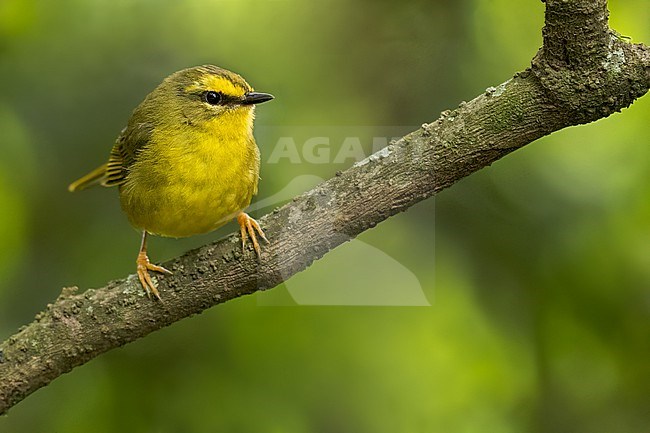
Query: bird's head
(205, 94)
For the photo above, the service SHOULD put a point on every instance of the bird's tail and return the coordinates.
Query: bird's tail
(93, 178)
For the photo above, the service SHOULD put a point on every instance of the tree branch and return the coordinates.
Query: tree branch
(583, 72)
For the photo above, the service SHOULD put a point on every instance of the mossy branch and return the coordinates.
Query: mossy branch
(583, 72)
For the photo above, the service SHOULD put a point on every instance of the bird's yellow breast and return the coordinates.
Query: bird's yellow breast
(192, 179)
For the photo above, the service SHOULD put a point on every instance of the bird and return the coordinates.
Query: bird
(187, 162)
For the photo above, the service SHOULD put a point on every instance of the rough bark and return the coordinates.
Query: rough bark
(583, 72)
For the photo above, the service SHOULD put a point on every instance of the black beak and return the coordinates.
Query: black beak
(256, 98)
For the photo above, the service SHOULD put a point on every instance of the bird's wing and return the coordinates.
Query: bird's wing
(125, 152)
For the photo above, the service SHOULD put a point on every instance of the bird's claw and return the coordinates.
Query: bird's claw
(144, 266)
(249, 228)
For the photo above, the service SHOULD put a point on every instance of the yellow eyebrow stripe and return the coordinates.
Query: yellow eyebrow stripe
(218, 84)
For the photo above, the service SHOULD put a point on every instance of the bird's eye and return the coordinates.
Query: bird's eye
(212, 97)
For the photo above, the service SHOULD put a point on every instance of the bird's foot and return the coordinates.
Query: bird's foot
(248, 228)
(144, 266)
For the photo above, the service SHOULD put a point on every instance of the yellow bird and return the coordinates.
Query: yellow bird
(187, 162)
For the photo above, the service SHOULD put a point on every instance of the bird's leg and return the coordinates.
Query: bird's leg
(248, 226)
(144, 266)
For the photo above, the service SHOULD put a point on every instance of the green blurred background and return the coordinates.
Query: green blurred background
(540, 283)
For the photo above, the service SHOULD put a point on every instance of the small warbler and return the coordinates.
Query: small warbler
(187, 162)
